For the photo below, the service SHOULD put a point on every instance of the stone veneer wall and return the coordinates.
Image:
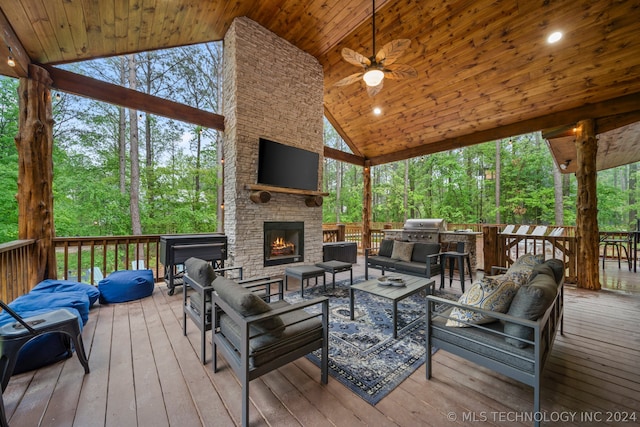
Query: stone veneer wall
(271, 89)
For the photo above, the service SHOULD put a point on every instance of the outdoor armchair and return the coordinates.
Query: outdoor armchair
(256, 337)
(198, 277)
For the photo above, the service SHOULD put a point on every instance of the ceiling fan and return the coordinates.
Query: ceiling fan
(382, 65)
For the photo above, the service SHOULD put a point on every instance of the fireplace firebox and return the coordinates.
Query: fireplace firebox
(283, 242)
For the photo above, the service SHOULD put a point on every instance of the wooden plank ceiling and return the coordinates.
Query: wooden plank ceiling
(485, 70)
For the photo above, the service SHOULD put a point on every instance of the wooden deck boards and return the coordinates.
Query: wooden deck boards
(144, 372)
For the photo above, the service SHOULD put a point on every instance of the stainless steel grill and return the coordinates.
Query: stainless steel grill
(425, 229)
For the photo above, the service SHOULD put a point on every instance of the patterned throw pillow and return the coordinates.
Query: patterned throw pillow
(402, 250)
(492, 293)
(522, 269)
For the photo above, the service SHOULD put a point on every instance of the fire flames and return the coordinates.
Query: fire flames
(281, 247)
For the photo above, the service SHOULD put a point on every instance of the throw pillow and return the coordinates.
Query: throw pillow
(492, 293)
(248, 304)
(200, 271)
(386, 248)
(530, 302)
(521, 271)
(402, 251)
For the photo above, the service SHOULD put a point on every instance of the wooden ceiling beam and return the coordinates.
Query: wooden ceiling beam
(342, 133)
(617, 106)
(342, 156)
(12, 47)
(77, 84)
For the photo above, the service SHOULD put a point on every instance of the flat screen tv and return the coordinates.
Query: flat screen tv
(285, 166)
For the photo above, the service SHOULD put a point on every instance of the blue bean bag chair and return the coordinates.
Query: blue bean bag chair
(56, 286)
(35, 301)
(126, 285)
(44, 349)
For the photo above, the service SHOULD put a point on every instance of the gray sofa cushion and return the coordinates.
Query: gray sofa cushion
(422, 250)
(386, 248)
(247, 304)
(301, 329)
(200, 271)
(382, 261)
(530, 302)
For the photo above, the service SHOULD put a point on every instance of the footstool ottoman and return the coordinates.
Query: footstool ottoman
(334, 267)
(302, 273)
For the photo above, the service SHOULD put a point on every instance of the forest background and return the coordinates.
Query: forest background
(122, 172)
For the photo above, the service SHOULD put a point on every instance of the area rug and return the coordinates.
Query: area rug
(362, 352)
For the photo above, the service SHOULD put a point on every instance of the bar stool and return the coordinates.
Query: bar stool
(458, 255)
(617, 243)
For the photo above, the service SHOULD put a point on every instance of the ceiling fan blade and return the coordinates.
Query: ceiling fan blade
(353, 57)
(400, 71)
(391, 51)
(350, 79)
(374, 90)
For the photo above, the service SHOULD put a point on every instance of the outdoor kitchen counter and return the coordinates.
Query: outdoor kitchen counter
(472, 240)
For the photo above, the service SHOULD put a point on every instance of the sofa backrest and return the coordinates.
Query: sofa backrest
(422, 250)
(386, 247)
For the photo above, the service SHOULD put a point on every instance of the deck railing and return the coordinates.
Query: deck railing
(16, 278)
(87, 259)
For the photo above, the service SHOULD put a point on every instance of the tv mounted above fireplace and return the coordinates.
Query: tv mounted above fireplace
(286, 166)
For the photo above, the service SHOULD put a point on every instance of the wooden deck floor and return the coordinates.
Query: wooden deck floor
(145, 373)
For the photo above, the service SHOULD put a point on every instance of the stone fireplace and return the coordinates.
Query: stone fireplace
(271, 90)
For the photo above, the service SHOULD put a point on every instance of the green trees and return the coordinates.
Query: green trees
(460, 186)
(180, 173)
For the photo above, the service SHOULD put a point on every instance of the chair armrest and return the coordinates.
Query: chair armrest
(223, 271)
(242, 320)
(495, 269)
(189, 282)
(370, 251)
(431, 299)
(264, 284)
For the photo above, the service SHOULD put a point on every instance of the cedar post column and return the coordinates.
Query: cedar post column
(491, 248)
(35, 172)
(366, 207)
(587, 233)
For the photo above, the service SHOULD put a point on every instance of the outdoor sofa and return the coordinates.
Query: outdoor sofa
(511, 336)
(413, 258)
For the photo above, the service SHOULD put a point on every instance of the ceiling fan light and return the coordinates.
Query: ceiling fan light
(373, 77)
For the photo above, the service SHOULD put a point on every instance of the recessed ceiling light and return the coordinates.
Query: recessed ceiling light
(377, 111)
(554, 37)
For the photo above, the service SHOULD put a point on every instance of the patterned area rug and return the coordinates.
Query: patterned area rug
(362, 352)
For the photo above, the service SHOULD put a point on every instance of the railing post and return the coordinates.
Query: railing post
(491, 247)
(341, 232)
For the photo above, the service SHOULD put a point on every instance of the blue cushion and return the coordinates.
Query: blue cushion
(55, 286)
(44, 349)
(35, 301)
(126, 285)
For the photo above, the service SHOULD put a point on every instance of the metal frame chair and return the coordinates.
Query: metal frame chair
(16, 334)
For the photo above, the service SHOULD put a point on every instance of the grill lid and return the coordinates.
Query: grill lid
(426, 224)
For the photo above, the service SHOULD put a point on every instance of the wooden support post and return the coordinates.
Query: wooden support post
(587, 233)
(366, 207)
(35, 172)
(491, 248)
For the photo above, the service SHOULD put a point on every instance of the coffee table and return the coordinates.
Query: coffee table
(412, 286)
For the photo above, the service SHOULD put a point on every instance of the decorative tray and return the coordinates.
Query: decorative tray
(390, 281)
